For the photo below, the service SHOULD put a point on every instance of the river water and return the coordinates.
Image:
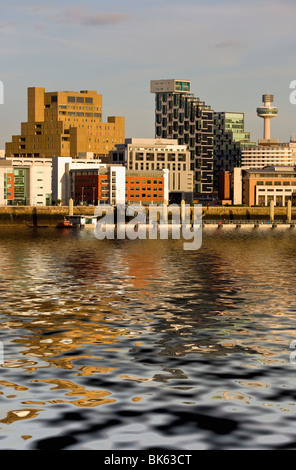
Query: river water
(138, 344)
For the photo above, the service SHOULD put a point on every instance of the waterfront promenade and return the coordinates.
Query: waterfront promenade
(211, 215)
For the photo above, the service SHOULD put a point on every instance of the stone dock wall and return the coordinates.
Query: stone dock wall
(50, 216)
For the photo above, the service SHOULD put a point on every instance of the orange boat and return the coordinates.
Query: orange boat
(65, 224)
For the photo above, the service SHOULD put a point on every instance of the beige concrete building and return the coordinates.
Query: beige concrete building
(259, 187)
(66, 124)
(157, 154)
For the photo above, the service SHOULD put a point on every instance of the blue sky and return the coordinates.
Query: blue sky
(232, 51)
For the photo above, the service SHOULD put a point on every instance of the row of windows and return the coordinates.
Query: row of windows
(275, 183)
(143, 195)
(90, 108)
(73, 99)
(80, 114)
(131, 188)
(131, 181)
(157, 166)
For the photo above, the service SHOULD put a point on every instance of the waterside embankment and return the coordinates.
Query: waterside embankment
(51, 215)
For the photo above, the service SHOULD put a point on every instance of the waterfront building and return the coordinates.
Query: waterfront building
(65, 124)
(266, 171)
(259, 187)
(230, 138)
(114, 184)
(267, 153)
(61, 180)
(156, 154)
(181, 116)
(25, 183)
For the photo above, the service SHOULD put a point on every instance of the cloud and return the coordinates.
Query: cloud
(76, 15)
(230, 43)
(7, 26)
(87, 18)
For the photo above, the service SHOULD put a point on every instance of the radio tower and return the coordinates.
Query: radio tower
(267, 112)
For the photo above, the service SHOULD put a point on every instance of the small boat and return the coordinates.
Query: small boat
(65, 224)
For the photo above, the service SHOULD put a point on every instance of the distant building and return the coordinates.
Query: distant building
(25, 183)
(230, 138)
(61, 179)
(156, 154)
(181, 116)
(116, 185)
(267, 171)
(267, 153)
(65, 124)
(259, 187)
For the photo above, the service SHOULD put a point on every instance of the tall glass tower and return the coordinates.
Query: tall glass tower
(180, 115)
(230, 138)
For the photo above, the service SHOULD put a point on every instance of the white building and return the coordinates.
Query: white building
(267, 154)
(61, 180)
(25, 181)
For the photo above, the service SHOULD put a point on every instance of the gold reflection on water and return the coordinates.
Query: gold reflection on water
(91, 397)
(13, 385)
(229, 395)
(79, 310)
(18, 415)
(86, 371)
(136, 379)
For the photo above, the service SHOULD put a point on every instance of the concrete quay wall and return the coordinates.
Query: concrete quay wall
(43, 215)
(51, 215)
(245, 213)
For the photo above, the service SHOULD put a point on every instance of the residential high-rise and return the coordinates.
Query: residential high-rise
(180, 115)
(65, 124)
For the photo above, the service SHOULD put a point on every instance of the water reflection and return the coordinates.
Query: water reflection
(143, 329)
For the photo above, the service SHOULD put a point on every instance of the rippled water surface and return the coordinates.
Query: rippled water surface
(142, 345)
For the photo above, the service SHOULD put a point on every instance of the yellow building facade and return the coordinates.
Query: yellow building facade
(66, 124)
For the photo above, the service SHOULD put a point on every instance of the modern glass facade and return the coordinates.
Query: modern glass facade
(230, 138)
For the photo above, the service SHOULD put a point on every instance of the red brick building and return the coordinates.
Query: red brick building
(93, 186)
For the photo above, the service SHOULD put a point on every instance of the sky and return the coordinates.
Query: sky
(232, 51)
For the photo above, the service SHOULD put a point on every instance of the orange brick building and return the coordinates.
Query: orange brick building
(95, 185)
